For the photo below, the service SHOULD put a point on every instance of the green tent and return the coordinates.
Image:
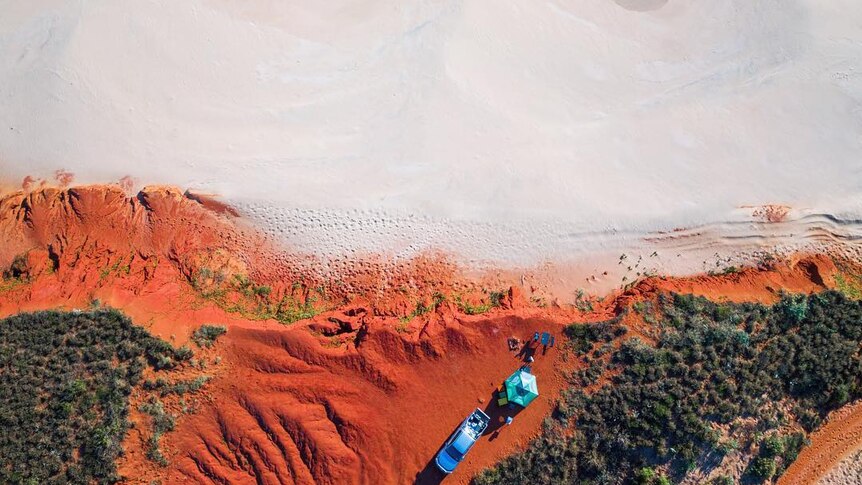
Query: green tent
(521, 387)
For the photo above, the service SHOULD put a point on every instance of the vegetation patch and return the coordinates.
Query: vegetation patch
(162, 423)
(290, 309)
(65, 379)
(721, 379)
(494, 300)
(206, 335)
(583, 336)
(582, 303)
(422, 308)
(180, 387)
(849, 284)
(242, 295)
(120, 267)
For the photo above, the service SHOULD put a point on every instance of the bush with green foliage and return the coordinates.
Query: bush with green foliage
(648, 476)
(712, 365)
(495, 299)
(772, 446)
(792, 444)
(206, 335)
(180, 387)
(162, 423)
(762, 468)
(65, 379)
(583, 336)
(721, 480)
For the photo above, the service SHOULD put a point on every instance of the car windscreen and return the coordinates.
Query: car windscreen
(454, 453)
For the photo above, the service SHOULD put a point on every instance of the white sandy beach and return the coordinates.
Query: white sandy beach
(506, 131)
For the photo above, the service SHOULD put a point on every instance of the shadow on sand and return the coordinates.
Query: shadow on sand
(530, 348)
(431, 475)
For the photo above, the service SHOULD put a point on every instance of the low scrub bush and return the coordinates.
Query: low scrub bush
(65, 379)
(206, 335)
(712, 365)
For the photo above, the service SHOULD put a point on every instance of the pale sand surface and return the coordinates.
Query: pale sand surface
(505, 131)
(848, 472)
(559, 256)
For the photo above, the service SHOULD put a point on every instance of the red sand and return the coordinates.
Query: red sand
(836, 440)
(353, 395)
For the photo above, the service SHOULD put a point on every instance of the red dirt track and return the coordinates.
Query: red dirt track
(354, 394)
(836, 440)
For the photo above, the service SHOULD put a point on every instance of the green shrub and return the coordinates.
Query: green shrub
(721, 480)
(791, 445)
(206, 335)
(65, 379)
(762, 468)
(772, 446)
(181, 387)
(645, 476)
(582, 336)
(183, 354)
(162, 423)
(712, 365)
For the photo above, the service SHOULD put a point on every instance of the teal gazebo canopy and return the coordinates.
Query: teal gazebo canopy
(521, 387)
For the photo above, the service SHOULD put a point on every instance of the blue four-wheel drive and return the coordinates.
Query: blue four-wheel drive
(461, 441)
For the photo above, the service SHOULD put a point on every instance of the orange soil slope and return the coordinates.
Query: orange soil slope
(292, 410)
(353, 395)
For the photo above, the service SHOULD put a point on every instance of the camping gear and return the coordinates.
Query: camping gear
(503, 397)
(536, 337)
(552, 341)
(545, 337)
(521, 388)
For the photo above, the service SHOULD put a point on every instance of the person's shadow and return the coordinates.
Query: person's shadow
(430, 474)
(527, 350)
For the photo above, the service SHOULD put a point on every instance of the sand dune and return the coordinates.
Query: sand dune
(614, 119)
